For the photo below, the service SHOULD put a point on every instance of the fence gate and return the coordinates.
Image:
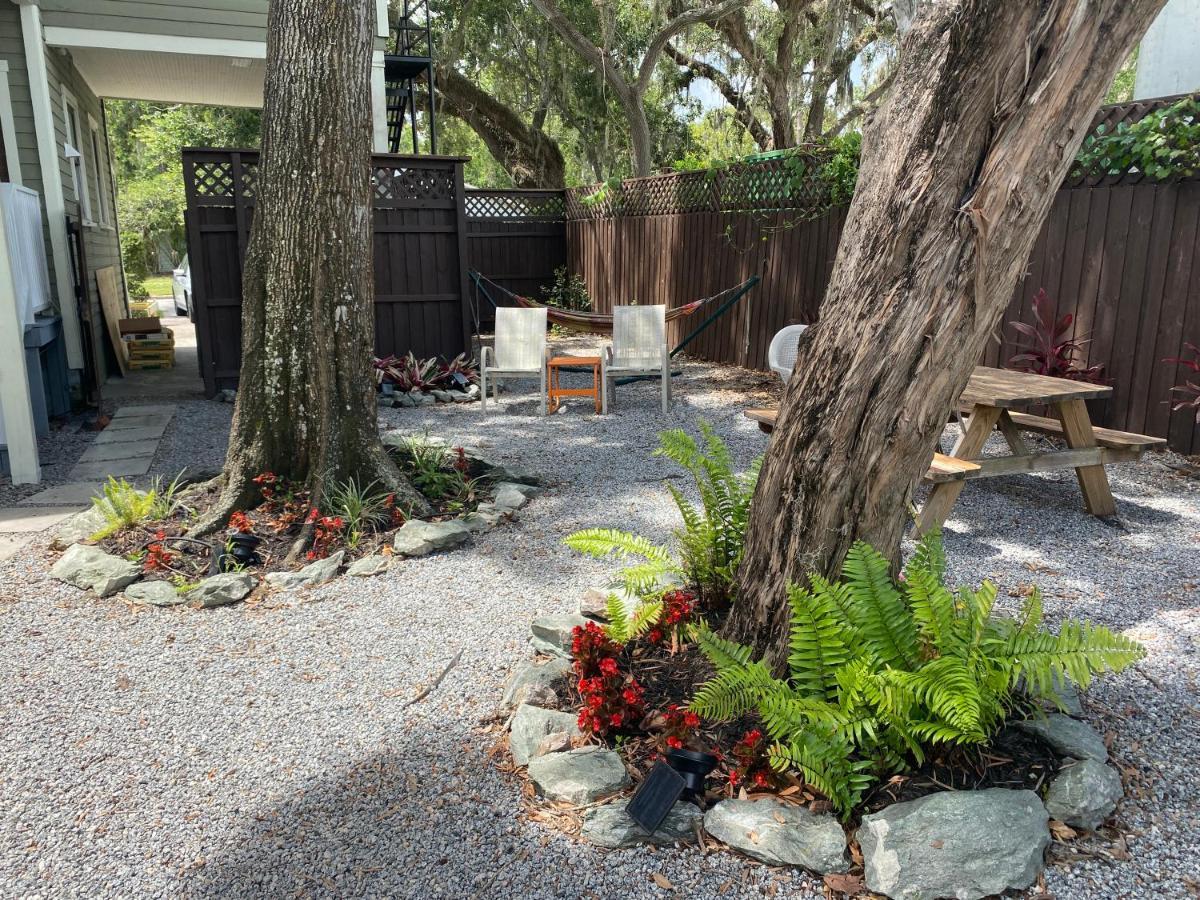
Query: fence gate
(421, 299)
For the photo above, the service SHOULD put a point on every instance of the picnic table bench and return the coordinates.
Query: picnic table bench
(990, 401)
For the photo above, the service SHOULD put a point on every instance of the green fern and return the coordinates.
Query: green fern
(123, 506)
(878, 671)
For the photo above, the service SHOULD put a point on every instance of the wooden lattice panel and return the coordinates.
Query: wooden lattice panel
(413, 185)
(212, 179)
(515, 206)
(1107, 120)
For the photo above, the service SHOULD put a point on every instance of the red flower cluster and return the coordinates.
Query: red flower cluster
(240, 522)
(679, 726)
(461, 463)
(267, 483)
(753, 768)
(158, 557)
(612, 700)
(679, 607)
(395, 513)
(328, 530)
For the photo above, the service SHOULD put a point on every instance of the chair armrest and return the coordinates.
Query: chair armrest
(606, 352)
(484, 352)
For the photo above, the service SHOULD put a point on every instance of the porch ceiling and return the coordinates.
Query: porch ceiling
(172, 77)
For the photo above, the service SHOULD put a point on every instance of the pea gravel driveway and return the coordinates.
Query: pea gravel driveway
(267, 749)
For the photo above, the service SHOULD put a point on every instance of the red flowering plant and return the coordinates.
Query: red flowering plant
(240, 522)
(1189, 391)
(393, 511)
(680, 727)
(751, 766)
(280, 499)
(327, 530)
(612, 699)
(1050, 349)
(158, 557)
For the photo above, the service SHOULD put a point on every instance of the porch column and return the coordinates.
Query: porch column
(52, 192)
(8, 127)
(379, 138)
(15, 404)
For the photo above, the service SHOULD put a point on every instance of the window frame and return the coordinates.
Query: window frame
(71, 130)
(100, 164)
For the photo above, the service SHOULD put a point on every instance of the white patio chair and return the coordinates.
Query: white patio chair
(639, 347)
(781, 355)
(520, 350)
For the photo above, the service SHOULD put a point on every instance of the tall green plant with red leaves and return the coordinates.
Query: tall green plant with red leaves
(1189, 390)
(1050, 350)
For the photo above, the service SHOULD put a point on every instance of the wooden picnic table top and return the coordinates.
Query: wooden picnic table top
(1005, 389)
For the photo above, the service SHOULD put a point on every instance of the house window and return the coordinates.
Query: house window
(72, 149)
(100, 173)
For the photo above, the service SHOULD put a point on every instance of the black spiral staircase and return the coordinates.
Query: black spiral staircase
(408, 71)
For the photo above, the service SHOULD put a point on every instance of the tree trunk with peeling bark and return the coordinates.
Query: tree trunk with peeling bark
(990, 103)
(306, 406)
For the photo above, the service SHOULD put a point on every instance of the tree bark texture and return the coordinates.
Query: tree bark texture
(306, 405)
(991, 101)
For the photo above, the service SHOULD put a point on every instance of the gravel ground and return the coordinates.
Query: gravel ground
(267, 749)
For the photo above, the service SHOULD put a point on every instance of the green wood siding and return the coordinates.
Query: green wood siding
(243, 20)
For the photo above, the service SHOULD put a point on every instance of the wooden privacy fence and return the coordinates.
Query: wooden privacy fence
(517, 238)
(419, 255)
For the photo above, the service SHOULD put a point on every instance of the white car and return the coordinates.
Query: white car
(181, 287)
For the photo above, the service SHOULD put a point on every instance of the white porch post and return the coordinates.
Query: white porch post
(8, 126)
(379, 104)
(52, 192)
(15, 405)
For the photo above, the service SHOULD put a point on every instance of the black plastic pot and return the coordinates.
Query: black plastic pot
(694, 766)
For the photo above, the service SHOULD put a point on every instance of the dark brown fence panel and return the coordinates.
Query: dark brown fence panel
(517, 238)
(419, 250)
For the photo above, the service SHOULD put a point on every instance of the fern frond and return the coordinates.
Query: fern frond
(820, 640)
(877, 609)
(1078, 652)
(600, 542)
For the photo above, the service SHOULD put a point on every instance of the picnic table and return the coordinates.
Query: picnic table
(992, 399)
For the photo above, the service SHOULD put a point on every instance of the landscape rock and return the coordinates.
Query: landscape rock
(420, 398)
(780, 834)
(1067, 736)
(610, 826)
(442, 396)
(550, 676)
(552, 634)
(90, 568)
(418, 537)
(531, 724)
(78, 527)
(154, 593)
(579, 776)
(385, 400)
(1084, 793)
(221, 590)
(404, 400)
(314, 573)
(375, 564)
(594, 605)
(508, 498)
(961, 844)
(554, 742)
(462, 396)
(228, 395)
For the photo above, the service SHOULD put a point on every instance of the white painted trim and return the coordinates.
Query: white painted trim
(382, 25)
(96, 145)
(9, 127)
(379, 130)
(52, 192)
(16, 406)
(60, 36)
(73, 121)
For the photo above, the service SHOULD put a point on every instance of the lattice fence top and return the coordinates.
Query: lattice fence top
(515, 206)
(225, 177)
(1108, 120)
(789, 182)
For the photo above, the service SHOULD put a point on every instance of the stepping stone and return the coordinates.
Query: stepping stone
(111, 452)
(80, 492)
(118, 468)
(138, 422)
(125, 435)
(28, 521)
(146, 409)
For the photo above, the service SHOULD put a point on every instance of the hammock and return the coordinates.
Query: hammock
(600, 323)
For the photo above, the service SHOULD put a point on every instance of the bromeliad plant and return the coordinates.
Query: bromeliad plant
(880, 672)
(1189, 391)
(710, 541)
(409, 373)
(1050, 350)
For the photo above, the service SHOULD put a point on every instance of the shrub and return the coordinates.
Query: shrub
(567, 292)
(1189, 390)
(361, 507)
(437, 471)
(880, 672)
(1050, 351)
(1165, 144)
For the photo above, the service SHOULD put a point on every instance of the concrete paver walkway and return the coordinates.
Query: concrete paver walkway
(127, 446)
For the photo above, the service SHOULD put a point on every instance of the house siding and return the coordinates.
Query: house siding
(244, 20)
(101, 245)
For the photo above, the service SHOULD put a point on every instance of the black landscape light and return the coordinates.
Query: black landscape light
(694, 766)
(461, 380)
(656, 796)
(239, 551)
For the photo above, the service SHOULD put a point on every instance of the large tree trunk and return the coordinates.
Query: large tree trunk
(990, 103)
(306, 405)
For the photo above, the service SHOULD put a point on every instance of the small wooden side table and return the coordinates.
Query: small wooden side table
(556, 391)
